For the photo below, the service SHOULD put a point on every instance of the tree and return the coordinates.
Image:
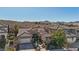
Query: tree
(59, 38)
(11, 40)
(16, 29)
(36, 40)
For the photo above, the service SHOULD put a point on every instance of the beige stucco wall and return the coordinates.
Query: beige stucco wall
(71, 40)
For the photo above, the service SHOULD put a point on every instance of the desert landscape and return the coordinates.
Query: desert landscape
(39, 36)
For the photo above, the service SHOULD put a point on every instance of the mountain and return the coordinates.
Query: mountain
(25, 23)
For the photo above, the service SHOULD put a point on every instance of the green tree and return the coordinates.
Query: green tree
(59, 38)
(36, 39)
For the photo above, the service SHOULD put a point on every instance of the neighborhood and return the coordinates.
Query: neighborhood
(39, 36)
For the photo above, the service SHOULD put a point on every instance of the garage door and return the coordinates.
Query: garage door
(25, 40)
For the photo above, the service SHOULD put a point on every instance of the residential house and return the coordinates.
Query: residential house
(3, 33)
(3, 30)
(77, 34)
(24, 39)
(70, 35)
(45, 36)
(76, 43)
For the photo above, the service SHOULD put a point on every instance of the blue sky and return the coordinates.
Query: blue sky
(40, 13)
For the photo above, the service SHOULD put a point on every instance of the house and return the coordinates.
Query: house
(70, 35)
(76, 43)
(3, 30)
(3, 34)
(71, 38)
(24, 39)
(45, 36)
(77, 34)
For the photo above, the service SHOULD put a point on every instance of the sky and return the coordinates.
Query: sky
(53, 14)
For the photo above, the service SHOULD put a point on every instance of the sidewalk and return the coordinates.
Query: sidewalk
(28, 50)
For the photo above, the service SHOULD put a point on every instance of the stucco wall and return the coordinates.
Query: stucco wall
(71, 40)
